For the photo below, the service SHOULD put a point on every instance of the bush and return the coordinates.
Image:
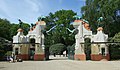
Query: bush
(57, 48)
(114, 51)
(115, 48)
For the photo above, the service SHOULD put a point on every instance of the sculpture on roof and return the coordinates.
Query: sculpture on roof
(41, 18)
(100, 20)
(20, 23)
(77, 17)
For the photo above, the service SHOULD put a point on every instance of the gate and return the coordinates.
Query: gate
(71, 51)
(87, 48)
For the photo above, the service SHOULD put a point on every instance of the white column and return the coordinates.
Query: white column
(42, 38)
(100, 49)
(80, 28)
(13, 49)
(77, 41)
(106, 50)
(19, 49)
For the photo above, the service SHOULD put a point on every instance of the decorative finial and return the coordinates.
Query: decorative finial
(100, 21)
(41, 18)
(77, 17)
(85, 21)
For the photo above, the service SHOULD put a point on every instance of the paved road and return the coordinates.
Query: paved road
(61, 64)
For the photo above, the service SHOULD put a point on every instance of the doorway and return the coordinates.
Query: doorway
(87, 48)
(32, 49)
(31, 53)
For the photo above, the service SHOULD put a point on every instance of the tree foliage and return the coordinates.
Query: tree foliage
(4, 47)
(114, 49)
(15, 27)
(105, 8)
(57, 48)
(7, 31)
(4, 28)
(61, 19)
(116, 38)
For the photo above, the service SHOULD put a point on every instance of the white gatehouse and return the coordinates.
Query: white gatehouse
(31, 46)
(98, 51)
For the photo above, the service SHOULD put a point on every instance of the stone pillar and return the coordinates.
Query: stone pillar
(96, 53)
(107, 55)
(80, 28)
(106, 50)
(19, 49)
(79, 54)
(42, 40)
(24, 49)
(79, 51)
(13, 49)
(79, 48)
(39, 53)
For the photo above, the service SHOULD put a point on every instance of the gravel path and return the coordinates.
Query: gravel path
(61, 64)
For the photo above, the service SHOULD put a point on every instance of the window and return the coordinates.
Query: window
(16, 51)
(103, 51)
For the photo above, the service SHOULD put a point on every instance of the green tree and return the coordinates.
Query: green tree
(4, 28)
(115, 48)
(13, 30)
(7, 31)
(116, 38)
(25, 27)
(57, 48)
(61, 19)
(4, 37)
(105, 8)
(4, 47)
(15, 27)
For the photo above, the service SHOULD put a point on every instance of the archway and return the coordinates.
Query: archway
(32, 49)
(87, 46)
(32, 41)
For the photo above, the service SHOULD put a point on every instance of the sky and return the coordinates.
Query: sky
(29, 10)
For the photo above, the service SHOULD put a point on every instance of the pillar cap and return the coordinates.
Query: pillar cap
(20, 30)
(100, 29)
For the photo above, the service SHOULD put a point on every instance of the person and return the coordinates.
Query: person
(11, 59)
(8, 58)
(14, 57)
